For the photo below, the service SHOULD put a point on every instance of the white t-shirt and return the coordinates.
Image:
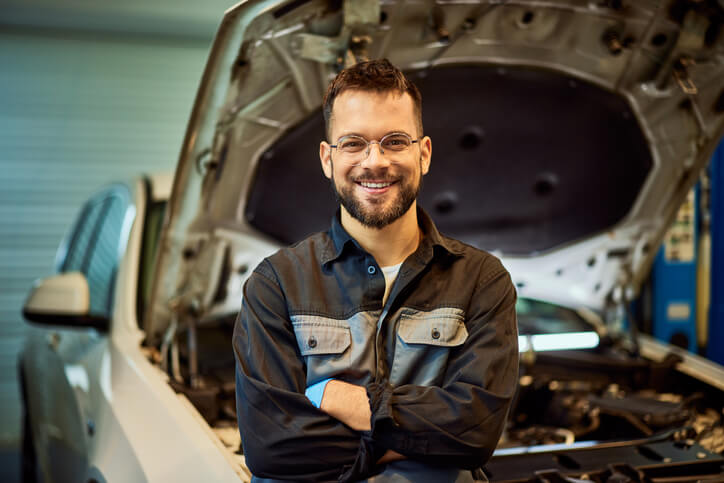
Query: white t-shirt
(390, 274)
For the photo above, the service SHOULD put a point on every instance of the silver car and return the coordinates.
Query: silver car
(567, 134)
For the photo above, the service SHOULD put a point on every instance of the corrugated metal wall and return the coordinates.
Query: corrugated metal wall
(77, 110)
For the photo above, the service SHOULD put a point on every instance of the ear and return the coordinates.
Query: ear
(325, 157)
(425, 154)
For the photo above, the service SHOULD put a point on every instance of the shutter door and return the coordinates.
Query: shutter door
(77, 111)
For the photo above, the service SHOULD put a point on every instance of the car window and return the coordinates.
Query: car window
(78, 245)
(94, 246)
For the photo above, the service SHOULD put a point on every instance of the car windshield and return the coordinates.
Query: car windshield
(543, 326)
(537, 317)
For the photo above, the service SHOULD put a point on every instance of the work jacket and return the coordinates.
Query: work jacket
(439, 359)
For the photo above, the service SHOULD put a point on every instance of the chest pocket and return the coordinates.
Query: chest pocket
(422, 346)
(325, 345)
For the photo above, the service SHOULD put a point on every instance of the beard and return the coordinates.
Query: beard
(380, 216)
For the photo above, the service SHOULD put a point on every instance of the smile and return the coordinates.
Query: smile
(375, 185)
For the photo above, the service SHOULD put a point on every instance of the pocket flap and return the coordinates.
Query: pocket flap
(440, 331)
(316, 339)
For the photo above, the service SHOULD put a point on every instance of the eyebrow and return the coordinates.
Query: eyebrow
(361, 136)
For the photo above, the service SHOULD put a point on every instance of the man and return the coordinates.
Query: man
(379, 349)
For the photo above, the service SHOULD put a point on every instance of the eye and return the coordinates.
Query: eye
(396, 143)
(351, 145)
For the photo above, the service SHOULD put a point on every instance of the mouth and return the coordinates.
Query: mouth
(376, 186)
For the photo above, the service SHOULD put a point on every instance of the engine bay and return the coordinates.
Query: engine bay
(632, 410)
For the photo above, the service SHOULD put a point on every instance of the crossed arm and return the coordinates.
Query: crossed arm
(359, 427)
(349, 404)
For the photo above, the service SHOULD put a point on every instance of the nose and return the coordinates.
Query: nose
(369, 147)
(374, 157)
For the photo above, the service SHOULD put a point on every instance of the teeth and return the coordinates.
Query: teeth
(375, 185)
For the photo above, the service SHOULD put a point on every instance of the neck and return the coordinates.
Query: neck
(391, 244)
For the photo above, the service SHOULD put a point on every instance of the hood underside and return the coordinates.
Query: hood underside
(565, 135)
(512, 171)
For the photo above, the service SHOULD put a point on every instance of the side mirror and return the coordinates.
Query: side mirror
(64, 300)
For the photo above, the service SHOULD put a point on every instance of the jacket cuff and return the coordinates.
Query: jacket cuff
(380, 404)
(386, 432)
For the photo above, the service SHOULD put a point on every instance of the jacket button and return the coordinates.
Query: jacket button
(435, 333)
(371, 270)
(312, 342)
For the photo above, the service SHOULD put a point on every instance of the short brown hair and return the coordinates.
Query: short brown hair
(378, 76)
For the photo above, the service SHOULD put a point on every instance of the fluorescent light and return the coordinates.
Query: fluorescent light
(543, 448)
(558, 342)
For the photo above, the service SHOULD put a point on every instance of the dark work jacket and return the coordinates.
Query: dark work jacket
(439, 360)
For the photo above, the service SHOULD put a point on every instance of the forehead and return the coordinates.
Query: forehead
(372, 114)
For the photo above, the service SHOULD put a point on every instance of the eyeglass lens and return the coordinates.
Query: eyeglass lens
(356, 144)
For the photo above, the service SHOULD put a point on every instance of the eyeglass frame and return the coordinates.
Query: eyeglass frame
(378, 142)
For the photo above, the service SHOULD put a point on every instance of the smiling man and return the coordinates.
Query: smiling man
(378, 350)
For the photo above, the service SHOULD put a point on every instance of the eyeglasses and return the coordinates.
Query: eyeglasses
(355, 148)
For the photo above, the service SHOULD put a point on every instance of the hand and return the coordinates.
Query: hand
(347, 403)
(390, 456)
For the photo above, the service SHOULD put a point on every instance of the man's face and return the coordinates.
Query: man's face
(379, 188)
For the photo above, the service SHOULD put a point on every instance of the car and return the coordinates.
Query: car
(566, 136)
(96, 407)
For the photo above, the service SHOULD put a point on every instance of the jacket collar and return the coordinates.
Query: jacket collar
(340, 240)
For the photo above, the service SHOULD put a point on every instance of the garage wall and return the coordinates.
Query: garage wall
(77, 110)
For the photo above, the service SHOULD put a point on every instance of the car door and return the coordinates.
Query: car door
(62, 364)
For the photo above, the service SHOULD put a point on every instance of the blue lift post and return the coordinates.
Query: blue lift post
(715, 342)
(674, 279)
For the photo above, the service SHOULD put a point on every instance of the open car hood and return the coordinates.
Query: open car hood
(565, 136)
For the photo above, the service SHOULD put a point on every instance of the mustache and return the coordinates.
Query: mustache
(379, 179)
